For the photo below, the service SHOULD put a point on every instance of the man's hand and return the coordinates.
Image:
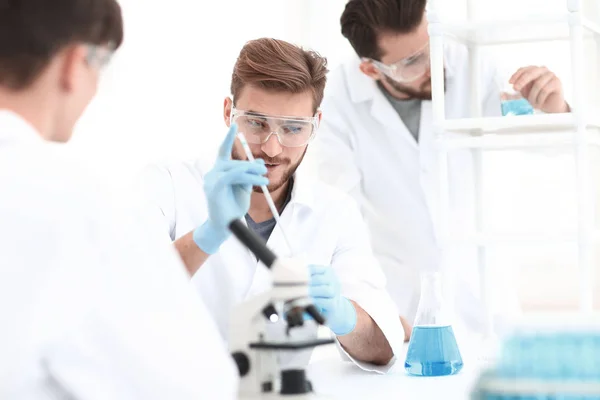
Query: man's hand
(407, 329)
(541, 87)
(228, 188)
(324, 288)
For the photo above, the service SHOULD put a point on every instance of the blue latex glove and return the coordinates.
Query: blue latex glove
(228, 186)
(324, 288)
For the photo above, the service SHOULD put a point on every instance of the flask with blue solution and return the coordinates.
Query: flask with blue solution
(515, 106)
(512, 102)
(432, 350)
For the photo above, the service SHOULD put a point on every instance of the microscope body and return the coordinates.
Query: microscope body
(255, 355)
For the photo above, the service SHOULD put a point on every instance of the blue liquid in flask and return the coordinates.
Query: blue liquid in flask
(433, 351)
(516, 107)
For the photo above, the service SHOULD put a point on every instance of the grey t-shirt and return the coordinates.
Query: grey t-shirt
(409, 111)
(265, 228)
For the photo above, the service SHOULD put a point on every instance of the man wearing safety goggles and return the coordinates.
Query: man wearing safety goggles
(377, 142)
(276, 92)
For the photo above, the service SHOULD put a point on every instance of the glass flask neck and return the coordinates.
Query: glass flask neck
(431, 310)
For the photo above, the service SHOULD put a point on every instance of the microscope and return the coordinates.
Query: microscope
(256, 357)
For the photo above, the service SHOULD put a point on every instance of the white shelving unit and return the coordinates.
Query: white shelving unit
(578, 130)
(524, 30)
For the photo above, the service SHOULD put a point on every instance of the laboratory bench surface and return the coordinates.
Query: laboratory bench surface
(334, 379)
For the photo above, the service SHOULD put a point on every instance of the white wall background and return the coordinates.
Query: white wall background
(162, 98)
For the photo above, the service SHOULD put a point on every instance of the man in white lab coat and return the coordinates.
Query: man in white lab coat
(92, 304)
(377, 143)
(277, 89)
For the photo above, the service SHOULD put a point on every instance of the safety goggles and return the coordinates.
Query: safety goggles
(408, 69)
(98, 56)
(290, 131)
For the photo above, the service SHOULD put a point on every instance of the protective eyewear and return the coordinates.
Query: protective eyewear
(408, 69)
(98, 56)
(290, 131)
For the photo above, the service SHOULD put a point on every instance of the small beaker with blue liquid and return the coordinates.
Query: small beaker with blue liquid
(432, 350)
(512, 102)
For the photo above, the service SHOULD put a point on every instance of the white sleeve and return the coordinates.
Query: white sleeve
(363, 281)
(147, 334)
(156, 196)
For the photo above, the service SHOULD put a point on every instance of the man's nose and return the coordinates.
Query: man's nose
(271, 147)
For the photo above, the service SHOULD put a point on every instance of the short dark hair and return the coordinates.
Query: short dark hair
(363, 20)
(280, 66)
(33, 31)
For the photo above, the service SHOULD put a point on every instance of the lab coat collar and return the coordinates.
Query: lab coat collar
(303, 191)
(14, 128)
(363, 88)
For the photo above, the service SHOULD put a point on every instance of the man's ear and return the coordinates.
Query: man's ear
(370, 70)
(227, 106)
(72, 66)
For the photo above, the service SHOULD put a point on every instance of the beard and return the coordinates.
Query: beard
(422, 93)
(289, 169)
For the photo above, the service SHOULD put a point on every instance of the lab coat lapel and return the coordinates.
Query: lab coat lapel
(276, 241)
(262, 277)
(296, 213)
(364, 91)
(395, 129)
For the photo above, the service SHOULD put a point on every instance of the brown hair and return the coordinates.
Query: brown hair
(276, 65)
(363, 20)
(33, 31)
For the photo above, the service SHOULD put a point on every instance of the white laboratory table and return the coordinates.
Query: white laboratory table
(335, 379)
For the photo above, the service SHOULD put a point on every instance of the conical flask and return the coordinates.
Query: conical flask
(432, 350)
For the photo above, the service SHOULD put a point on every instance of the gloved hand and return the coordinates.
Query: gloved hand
(324, 288)
(228, 186)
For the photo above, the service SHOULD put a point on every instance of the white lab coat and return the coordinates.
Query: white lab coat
(92, 305)
(365, 149)
(323, 224)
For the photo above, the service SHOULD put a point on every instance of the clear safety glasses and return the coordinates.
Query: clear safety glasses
(290, 131)
(408, 69)
(98, 56)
